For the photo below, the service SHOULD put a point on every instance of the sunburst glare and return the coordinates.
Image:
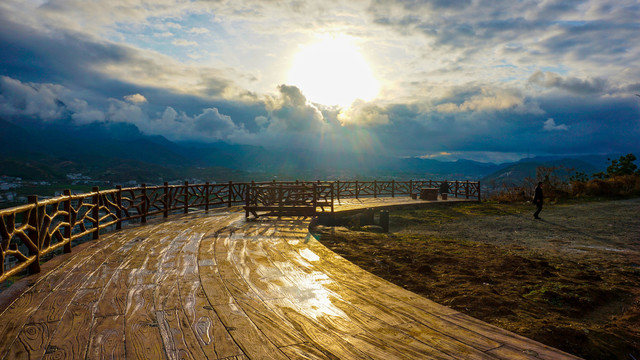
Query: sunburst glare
(333, 72)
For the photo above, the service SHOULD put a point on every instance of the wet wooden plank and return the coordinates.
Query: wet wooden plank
(210, 279)
(384, 347)
(179, 342)
(141, 327)
(107, 338)
(306, 351)
(100, 277)
(447, 343)
(516, 341)
(510, 353)
(16, 315)
(214, 287)
(274, 326)
(114, 296)
(32, 341)
(431, 342)
(167, 294)
(250, 339)
(331, 344)
(203, 321)
(71, 337)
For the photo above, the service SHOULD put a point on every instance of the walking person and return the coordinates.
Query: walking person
(537, 200)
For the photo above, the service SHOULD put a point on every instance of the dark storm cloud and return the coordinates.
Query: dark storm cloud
(580, 125)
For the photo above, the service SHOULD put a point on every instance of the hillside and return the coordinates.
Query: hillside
(120, 152)
(515, 174)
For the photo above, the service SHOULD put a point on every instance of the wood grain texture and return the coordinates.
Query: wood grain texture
(32, 341)
(71, 338)
(142, 335)
(249, 338)
(212, 285)
(107, 338)
(179, 341)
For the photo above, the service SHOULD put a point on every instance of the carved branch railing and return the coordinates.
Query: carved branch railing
(32, 232)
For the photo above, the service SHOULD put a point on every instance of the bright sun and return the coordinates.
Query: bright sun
(333, 72)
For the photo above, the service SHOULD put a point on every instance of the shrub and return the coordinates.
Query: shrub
(615, 186)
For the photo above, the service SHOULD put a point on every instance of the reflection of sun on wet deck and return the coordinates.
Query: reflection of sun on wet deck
(212, 285)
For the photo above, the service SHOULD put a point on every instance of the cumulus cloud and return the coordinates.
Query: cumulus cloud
(209, 125)
(491, 100)
(290, 111)
(550, 125)
(364, 114)
(30, 99)
(570, 84)
(44, 101)
(136, 98)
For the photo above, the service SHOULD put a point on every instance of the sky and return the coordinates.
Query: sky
(486, 80)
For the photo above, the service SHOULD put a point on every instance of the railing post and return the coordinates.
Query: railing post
(95, 212)
(479, 198)
(119, 207)
(375, 189)
(167, 201)
(393, 188)
(411, 189)
(357, 191)
(247, 199)
(34, 235)
(206, 196)
(457, 188)
(315, 197)
(230, 194)
(67, 219)
(338, 190)
(186, 197)
(332, 196)
(466, 190)
(144, 210)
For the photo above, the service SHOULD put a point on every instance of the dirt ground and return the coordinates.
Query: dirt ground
(571, 280)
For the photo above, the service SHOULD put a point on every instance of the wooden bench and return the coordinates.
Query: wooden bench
(287, 199)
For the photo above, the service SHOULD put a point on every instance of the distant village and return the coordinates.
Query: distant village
(14, 190)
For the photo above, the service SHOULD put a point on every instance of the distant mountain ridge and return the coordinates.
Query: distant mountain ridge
(119, 151)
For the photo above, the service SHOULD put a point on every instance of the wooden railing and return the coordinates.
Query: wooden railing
(289, 199)
(30, 233)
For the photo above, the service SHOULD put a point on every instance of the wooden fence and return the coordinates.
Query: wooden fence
(30, 233)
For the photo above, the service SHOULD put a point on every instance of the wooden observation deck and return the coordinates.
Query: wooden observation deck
(214, 285)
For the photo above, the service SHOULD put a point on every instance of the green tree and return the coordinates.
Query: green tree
(622, 166)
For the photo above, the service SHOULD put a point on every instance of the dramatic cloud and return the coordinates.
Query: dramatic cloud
(47, 102)
(290, 111)
(570, 84)
(363, 114)
(209, 125)
(456, 77)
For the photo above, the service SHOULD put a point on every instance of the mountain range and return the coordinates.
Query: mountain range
(37, 150)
